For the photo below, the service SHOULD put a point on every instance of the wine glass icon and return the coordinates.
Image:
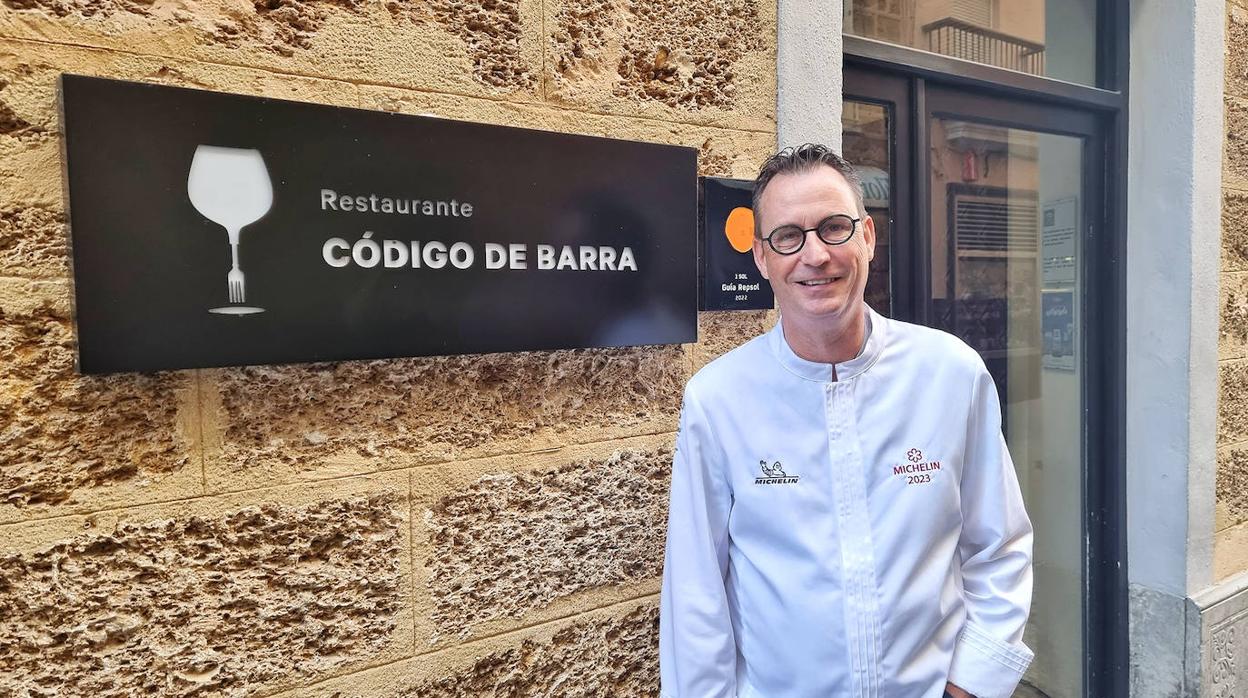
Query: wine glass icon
(231, 187)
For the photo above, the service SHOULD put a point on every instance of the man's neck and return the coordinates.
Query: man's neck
(831, 342)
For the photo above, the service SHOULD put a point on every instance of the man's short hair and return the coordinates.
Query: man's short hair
(800, 159)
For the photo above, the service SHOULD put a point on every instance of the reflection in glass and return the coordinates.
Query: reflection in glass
(865, 138)
(1055, 38)
(1005, 239)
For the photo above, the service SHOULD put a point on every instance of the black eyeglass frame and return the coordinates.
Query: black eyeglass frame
(853, 228)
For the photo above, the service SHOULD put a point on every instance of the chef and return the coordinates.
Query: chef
(845, 519)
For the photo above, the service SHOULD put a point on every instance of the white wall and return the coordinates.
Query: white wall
(808, 72)
(1174, 176)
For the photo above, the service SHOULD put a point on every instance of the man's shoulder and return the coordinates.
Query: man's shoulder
(932, 346)
(732, 367)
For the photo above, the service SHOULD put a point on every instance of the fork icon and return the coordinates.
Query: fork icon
(238, 291)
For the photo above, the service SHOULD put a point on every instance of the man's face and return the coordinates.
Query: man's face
(820, 283)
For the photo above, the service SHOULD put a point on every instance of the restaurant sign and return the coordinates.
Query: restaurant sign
(210, 229)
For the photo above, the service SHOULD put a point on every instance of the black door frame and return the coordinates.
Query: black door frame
(892, 93)
(921, 87)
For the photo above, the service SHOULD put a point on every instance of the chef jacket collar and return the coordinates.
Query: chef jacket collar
(821, 372)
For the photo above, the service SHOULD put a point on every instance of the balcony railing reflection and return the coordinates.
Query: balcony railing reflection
(961, 39)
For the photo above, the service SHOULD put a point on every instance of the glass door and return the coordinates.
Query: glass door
(1007, 192)
(990, 237)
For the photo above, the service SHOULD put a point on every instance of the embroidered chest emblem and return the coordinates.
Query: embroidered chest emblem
(774, 475)
(917, 470)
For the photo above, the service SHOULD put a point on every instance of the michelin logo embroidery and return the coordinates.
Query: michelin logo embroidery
(774, 475)
(917, 471)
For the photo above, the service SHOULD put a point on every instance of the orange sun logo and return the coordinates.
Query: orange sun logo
(739, 228)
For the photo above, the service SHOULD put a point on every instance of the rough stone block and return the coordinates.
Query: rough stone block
(1234, 230)
(524, 539)
(1236, 51)
(1230, 551)
(720, 332)
(739, 156)
(609, 652)
(1232, 486)
(457, 46)
(30, 164)
(723, 152)
(33, 242)
(29, 72)
(30, 176)
(32, 219)
(703, 62)
(1233, 324)
(70, 442)
(271, 424)
(1235, 149)
(1232, 402)
(215, 596)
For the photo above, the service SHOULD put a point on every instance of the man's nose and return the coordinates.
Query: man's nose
(815, 252)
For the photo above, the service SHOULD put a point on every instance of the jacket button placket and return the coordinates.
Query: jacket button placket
(858, 561)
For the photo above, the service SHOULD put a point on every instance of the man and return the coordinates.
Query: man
(845, 519)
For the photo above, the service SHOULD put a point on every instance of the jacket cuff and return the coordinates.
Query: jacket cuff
(985, 666)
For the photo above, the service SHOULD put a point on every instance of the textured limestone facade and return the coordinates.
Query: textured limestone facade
(446, 526)
(1231, 540)
(1217, 618)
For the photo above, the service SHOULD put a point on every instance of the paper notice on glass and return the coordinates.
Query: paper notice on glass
(1058, 326)
(1060, 228)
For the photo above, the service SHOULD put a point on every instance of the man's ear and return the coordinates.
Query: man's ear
(758, 258)
(868, 236)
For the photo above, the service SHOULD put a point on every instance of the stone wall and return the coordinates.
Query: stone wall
(1231, 539)
(488, 525)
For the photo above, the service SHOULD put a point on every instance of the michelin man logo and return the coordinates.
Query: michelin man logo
(773, 471)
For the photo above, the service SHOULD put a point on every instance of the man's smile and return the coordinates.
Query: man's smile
(820, 282)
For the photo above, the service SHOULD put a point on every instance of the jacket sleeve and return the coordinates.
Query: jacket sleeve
(995, 548)
(697, 652)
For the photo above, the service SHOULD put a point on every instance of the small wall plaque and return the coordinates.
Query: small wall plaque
(730, 279)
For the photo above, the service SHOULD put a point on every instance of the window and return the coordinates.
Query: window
(1051, 38)
(890, 20)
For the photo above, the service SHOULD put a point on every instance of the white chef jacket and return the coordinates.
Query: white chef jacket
(863, 536)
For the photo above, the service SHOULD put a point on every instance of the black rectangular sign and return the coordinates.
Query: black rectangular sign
(214, 230)
(729, 278)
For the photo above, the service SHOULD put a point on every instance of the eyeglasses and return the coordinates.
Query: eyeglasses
(836, 229)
